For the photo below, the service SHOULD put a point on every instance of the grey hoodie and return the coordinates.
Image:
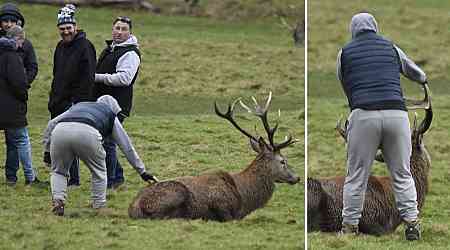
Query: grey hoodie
(363, 22)
(118, 134)
(126, 67)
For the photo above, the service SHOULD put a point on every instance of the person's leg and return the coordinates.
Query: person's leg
(111, 160)
(396, 148)
(91, 152)
(74, 173)
(62, 156)
(12, 158)
(363, 135)
(19, 138)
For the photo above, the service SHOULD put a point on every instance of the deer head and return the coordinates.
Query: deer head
(270, 150)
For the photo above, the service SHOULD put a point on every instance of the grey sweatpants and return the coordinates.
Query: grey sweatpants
(367, 131)
(70, 140)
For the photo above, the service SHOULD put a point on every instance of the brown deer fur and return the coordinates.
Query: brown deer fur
(219, 195)
(379, 215)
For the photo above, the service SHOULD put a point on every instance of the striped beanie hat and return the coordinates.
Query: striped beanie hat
(66, 14)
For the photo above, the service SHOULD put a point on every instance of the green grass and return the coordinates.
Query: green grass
(416, 26)
(187, 64)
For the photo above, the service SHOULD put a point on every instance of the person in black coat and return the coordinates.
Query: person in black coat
(13, 99)
(73, 71)
(10, 17)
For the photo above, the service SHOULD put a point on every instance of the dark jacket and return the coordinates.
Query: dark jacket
(107, 63)
(73, 74)
(13, 88)
(371, 73)
(27, 51)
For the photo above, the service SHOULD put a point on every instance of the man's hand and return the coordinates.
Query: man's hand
(149, 178)
(47, 159)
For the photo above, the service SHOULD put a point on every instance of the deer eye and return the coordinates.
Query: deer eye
(283, 162)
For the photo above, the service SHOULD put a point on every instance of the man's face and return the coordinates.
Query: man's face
(67, 31)
(7, 24)
(120, 32)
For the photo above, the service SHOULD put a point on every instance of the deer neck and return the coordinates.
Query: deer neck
(255, 185)
(420, 167)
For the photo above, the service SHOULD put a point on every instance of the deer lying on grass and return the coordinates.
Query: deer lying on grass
(221, 196)
(379, 215)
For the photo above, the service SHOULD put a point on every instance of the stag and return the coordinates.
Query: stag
(220, 195)
(379, 215)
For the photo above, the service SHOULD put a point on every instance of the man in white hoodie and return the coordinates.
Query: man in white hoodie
(117, 70)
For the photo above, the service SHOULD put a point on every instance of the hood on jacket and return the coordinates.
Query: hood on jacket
(111, 102)
(11, 9)
(362, 22)
(131, 41)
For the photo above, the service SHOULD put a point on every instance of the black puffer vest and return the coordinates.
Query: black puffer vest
(97, 115)
(107, 64)
(371, 73)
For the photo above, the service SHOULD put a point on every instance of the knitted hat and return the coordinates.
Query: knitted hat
(66, 14)
(9, 11)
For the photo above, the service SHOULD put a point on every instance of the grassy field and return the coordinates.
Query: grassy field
(187, 63)
(419, 28)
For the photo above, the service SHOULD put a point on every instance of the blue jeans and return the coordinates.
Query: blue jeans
(113, 168)
(74, 172)
(18, 148)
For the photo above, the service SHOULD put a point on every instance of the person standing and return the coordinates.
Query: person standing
(79, 132)
(369, 69)
(117, 70)
(73, 71)
(10, 17)
(13, 99)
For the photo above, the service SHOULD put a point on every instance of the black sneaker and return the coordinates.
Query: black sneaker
(412, 230)
(349, 229)
(37, 182)
(58, 207)
(71, 184)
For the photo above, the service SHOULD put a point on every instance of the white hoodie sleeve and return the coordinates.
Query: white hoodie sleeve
(126, 69)
(409, 68)
(121, 138)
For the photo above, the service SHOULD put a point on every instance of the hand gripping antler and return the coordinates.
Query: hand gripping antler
(262, 113)
(420, 104)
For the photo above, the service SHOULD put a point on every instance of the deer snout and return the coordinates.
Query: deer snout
(294, 180)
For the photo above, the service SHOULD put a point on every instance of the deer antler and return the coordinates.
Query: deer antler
(262, 113)
(420, 104)
(229, 116)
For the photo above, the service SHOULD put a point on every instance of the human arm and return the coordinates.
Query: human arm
(126, 68)
(120, 136)
(339, 66)
(409, 68)
(30, 61)
(86, 69)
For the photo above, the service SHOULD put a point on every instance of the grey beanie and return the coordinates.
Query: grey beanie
(66, 15)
